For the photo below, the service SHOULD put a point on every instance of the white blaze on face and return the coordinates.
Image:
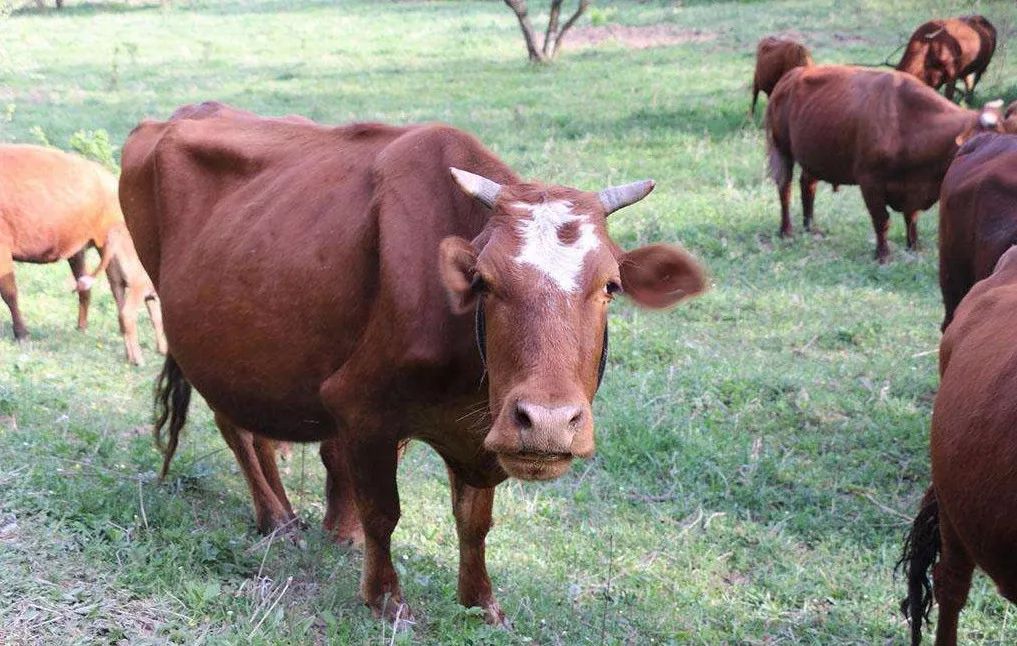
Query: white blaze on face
(543, 249)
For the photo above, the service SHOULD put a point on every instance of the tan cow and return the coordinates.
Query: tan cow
(942, 52)
(54, 206)
(367, 284)
(884, 131)
(775, 55)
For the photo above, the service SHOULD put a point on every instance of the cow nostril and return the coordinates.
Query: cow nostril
(523, 419)
(578, 417)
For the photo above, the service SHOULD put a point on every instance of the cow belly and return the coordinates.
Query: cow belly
(263, 373)
(912, 194)
(826, 162)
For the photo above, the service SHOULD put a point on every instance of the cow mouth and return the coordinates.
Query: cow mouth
(526, 465)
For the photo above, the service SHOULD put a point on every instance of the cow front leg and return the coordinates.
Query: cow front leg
(77, 263)
(808, 186)
(371, 455)
(254, 455)
(911, 221)
(472, 509)
(342, 520)
(9, 292)
(875, 201)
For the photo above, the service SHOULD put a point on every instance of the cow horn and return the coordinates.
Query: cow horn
(618, 197)
(994, 105)
(479, 187)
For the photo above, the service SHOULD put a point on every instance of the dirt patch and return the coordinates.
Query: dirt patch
(636, 37)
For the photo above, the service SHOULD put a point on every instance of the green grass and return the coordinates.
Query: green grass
(759, 450)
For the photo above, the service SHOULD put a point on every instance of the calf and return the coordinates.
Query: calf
(54, 206)
(775, 55)
(968, 516)
(941, 52)
(884, 131)
(368, 284)
(977, 214)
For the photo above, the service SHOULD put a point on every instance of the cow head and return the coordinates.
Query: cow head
(991, 118)
(540, 278)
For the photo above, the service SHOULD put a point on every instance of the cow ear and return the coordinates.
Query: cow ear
(458, 265)
(660, 275)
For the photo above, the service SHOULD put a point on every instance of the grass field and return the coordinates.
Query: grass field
(760, 450)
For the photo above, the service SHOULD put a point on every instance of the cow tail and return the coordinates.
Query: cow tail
(755, 96)
(921, 550)
(780, 164)
(172, 398)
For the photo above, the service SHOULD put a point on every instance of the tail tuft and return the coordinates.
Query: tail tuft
(172, 398)
(921, 550)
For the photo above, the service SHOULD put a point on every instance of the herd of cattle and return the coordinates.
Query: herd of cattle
(436, 268)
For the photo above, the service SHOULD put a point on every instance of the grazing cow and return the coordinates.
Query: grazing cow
(775, 55)
(367, 284)
(941, 52)
(884, 131)
(53, 206)
(968, 516)
(977, 214)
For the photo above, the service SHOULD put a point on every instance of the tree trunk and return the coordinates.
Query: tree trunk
(519, 7)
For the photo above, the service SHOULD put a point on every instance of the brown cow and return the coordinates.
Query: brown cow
(339, 283)
(968, 516)
(53, 206)
(884, 131)
(775, 55)
(977, 214)
(941, 52)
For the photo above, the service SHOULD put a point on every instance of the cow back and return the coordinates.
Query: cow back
(53, 203)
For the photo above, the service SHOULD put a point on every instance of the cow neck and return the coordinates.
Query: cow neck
(480, 334)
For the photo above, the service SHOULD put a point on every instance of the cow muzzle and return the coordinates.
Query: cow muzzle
(538, 441)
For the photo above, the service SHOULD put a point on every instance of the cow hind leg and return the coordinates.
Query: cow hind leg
(254, 455)
(127, 315)
(911, 222)
(781, 169)
(155, 316)
(472, 509)
(77, 263)
(951, 582)
(342, 520)
(875, 201)
(9, 292)
(808, 187)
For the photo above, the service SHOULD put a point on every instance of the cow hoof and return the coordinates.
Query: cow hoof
(494, 616)
(285, 526)
(786, 233)
(396, 613)
(354, 539)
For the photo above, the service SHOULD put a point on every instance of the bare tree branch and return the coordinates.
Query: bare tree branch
(519, 7)
(583, 5)
(552, 27)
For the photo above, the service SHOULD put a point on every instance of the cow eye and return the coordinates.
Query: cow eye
(478, 284)
(612, 288)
